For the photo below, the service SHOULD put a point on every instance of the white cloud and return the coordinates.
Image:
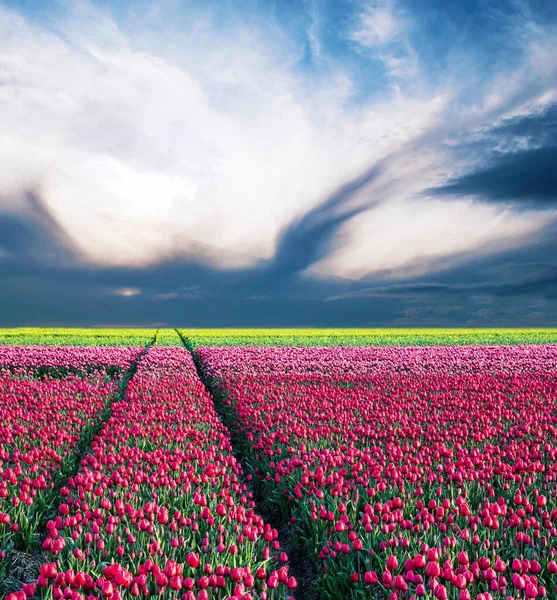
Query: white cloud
(381, 29)
(377, 24)
(208, 146)
(411, 238)
(312, 31)
(140, 158)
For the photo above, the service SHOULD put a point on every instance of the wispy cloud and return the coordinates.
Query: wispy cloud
(382, 29)
(313, 30)
(378, 24)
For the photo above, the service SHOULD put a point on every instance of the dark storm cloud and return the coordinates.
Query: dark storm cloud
(520, 163)
(528, 177)
(39, 288)
(34, 232)
(517, 274)
(517, 287)
(44, 283)
(402, 291)
(537, 129)
(306, 240)
(15, 236)
(546, 285)
(70, 296)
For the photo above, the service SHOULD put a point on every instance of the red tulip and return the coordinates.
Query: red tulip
(370, 577)
(193, 560)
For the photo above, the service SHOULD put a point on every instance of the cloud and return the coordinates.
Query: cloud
(193, 292)
(505, 294)
(206, 142)
(521, 283)
(32, 232)
(525, 132)
(517, 162)
(496, 281)
(313, 30)
(377, 24)
(167, 296)
(403, 291)
(306, 240)
(428, 314)
(518, 272)
(213, 145)
(381, 33)
(409, 237)
(528, 177)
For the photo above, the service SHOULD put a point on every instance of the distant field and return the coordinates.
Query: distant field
(37, 336)
(195, 338)
(365, 337)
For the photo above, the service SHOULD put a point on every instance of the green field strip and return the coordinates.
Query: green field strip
(38, 336)
(367, 337)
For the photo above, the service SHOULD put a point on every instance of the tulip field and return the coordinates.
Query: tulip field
(407, 472)
(161, 463)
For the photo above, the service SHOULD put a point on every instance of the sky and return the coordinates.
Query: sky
(278, 163)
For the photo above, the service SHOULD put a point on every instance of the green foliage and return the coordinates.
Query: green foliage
(167, 337)
(274, 337)
(365, 337)
(38, 336)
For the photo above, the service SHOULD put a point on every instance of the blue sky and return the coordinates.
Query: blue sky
(346, 162)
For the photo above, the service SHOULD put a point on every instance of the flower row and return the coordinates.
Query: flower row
(358, 361)
(63, 360)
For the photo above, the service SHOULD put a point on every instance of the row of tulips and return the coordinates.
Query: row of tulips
(45, 424)
(407, 472)
(345, 363)
(159, 506)
(59, 361)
